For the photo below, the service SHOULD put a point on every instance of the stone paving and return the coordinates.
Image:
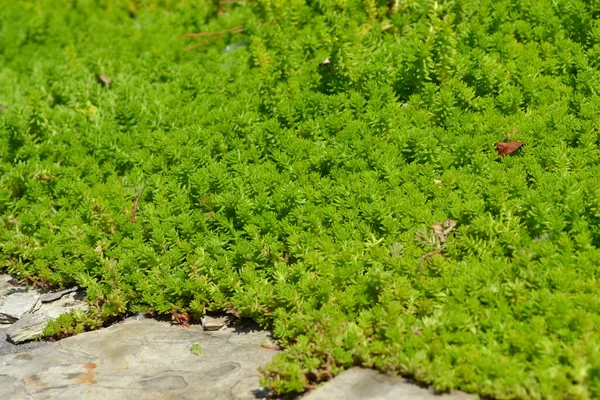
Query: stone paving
(25, 312)
(366, 384)
(142, 358)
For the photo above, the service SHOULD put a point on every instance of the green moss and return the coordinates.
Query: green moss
(302, 193)
(196, 349)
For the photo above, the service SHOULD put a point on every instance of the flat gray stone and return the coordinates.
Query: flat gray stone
(32, 324)
(13, 306)
(6, 347)
(27, 328)
(366, 384)
(48, 297)
(214, 323)
(5, 285)
(139, 359)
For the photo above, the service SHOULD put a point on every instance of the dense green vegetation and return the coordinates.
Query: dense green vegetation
(304, 194)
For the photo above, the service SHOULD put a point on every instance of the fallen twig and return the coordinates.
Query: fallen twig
(135, 206)
(237, 29)
(201, 44)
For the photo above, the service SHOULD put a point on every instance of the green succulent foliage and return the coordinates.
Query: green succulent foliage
(291, 171)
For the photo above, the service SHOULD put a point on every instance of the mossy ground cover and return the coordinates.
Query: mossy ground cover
(297, 173)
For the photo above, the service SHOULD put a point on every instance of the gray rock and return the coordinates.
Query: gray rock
(48, 297)
(215, 323)
(32, 324)
(139, 359)
(5, 285)
(13, 306)
(65, 304)
(27, 328)
(366, 384)
(6, 347)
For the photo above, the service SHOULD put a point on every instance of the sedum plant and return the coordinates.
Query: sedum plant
(294, 171)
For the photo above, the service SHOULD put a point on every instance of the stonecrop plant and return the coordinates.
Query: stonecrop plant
(327, 168)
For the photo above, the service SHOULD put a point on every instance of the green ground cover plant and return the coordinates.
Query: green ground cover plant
(301, 168)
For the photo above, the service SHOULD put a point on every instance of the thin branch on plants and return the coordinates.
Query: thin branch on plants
(237, 29)
(202, 44)
(135, 206)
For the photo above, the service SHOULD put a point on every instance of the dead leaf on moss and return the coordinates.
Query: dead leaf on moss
(440, 231)
(443, 229)
(104, 80)
(3, 107)
(182, 319)
(270, 344)
(506, 148)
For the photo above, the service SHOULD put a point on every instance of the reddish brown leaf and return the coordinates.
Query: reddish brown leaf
(506, 148)
(182, 319)
(104, 80)
(3, 107)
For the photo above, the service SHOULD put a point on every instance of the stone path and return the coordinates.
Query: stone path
(140, 359)
(366, 384)
(25, 312)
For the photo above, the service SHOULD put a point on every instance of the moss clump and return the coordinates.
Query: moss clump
(196, 349)
(296, 172)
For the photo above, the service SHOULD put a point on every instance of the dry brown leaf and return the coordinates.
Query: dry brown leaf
(270, 344)
(506, 148)
(416, 330)
(3, 107)
(182, 319)
(104, 80)
(443, 229)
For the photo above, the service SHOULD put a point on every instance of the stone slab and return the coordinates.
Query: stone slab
(27, 328)
(32, 324)
(214, 323)
(366, 384)
(5, 285)
(14, 306)
(7, 347)
(140, 359)
(48, 297)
